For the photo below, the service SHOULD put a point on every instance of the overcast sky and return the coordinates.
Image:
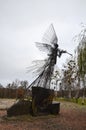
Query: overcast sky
(23, 22)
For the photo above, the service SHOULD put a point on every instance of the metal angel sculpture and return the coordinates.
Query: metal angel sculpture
(44, 69)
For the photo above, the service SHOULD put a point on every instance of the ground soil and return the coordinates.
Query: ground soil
(71, 117)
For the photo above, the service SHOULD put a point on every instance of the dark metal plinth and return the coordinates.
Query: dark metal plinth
(41, 104)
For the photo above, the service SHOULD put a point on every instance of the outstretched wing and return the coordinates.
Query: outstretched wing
(38, 66)
(38, 69)
(50, 36)
(44, 47)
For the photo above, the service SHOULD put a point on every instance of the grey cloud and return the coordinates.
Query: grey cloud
(22, 22)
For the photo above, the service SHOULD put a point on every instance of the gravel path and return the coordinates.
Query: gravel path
(71, 117)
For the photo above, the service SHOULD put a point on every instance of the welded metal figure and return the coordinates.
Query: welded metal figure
(46, 67)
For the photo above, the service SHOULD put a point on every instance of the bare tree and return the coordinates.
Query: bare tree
(1, 86)
(69, 74)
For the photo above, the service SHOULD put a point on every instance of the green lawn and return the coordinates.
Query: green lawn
(79, 101)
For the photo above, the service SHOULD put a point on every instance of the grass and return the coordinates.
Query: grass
(79, 101)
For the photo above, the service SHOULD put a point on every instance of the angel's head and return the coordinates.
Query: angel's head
(56, 45)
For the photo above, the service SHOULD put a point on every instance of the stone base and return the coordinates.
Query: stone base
(22, 107)
(42, 103)
(25, 107)
(54, 108)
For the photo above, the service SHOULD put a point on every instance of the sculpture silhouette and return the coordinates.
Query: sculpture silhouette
(45, 71)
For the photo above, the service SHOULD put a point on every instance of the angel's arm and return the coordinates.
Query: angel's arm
(60, 52)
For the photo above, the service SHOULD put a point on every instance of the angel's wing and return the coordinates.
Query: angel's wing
(38, 71)
(50, 36)
(38, 66)
(44, 47)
